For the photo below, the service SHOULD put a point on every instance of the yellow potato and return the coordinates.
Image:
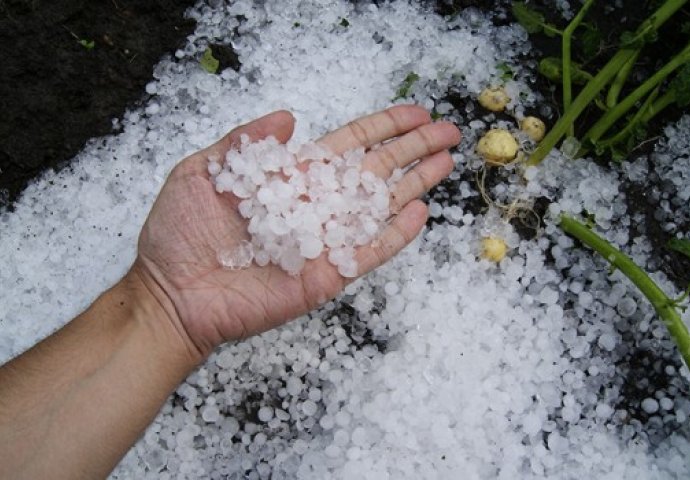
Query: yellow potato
(533, 127)
(493, 249)
(498, 147)
(494, 99)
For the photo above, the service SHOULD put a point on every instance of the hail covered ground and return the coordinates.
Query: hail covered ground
(439, 364)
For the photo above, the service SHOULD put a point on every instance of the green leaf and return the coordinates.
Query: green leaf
(435, 115)
(579, 76)
(87, 44)
(404, 89)
(551, 31)
(630, 40)
(530, 19)
(639, 134)
(597, 148)
(208, 62)
(651, 36)
(591, 41)
(506, 71)
(680, 245)
(636, 40)
(552, 68)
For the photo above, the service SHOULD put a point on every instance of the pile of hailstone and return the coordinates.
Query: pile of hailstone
(301, 200)
(436, 365)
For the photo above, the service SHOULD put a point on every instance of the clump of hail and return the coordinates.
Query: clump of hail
(301, 201)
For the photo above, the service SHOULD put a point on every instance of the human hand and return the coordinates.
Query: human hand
(189, 223)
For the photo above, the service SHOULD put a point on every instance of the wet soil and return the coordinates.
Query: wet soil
(69, 67)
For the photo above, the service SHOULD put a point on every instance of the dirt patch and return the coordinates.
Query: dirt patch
(69, 67)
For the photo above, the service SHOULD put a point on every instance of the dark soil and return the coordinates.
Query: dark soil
(57, 89)
(674, 264)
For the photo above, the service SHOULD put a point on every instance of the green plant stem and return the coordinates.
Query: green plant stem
(623, 134)
(619, 81)
(660, 104)
(613, 115)
(651, 108)
(588, 93)
(664, 306)
(594, 86)
(566, 53)
(658, 18)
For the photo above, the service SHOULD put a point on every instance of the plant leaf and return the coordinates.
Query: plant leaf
(208, 62)
(591, 41)
(87, 44)
(552, 68)
(680, 245)
(636, 40)
(506, 71)
(598, 149)
(550, 31)
(530, 19)
(630, 40)
(404, 89)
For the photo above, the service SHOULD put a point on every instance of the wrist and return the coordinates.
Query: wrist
(153, 308)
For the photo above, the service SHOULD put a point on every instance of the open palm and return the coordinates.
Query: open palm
(189, 223)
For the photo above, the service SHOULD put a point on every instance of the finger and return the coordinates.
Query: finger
(372, 129)
(394, 238)
(419, 143)
(420, 179)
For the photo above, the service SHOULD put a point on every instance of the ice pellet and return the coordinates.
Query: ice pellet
(296, 214)
(650, 405)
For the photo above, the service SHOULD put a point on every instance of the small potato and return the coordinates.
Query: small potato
(533, 127)
(498, 147)
(493, 249)
(494, 99)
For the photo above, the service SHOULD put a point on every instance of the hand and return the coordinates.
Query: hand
(190, 222)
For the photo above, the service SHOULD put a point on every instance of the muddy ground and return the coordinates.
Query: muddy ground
(68, 68)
